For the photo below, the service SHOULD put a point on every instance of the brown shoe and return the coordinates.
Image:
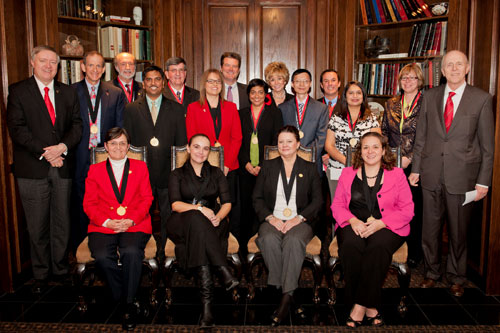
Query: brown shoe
(457, 290)
(428, 283)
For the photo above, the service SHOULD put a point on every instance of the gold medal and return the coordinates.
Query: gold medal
(217, 144)
(93, 129)
(301, 134)
(287, 212)
(154, 142)
(371, 218)
(255, 140)
(121, 210)
(353, 142)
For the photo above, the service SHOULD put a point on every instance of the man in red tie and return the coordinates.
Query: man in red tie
(44, 122)
(125, 65)
(176, 90)
(453, 158)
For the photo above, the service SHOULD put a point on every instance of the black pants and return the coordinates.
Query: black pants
(365, 262)
(235, 214)
(161, 196)
(123, 281)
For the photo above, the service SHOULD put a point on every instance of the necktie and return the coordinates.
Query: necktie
(127, 86)
(92, 96)
(330, 109)
(301, 110)
(154, 111)
(179, 96)
(229, 94)
(448, 111)
(50, 107)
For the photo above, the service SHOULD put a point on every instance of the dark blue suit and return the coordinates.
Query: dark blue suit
(112, 105)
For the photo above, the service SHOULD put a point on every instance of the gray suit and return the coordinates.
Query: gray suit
(314, 124)
(449, 165)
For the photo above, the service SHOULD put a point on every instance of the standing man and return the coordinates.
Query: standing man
(329, 82)
(307, 114)
(453, 155)
(125, 64)
(157, 123)
(176, 90)
(101, 108)
(230, 63)
(44, 122)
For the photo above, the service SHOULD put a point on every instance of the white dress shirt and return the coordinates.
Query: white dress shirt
(459, 92)
(41, 87)
(280, 204)
(234, 91)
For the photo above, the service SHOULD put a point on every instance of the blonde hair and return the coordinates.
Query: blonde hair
(276, 68)
(418, 71)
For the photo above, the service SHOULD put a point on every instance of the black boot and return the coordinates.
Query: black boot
(207, 295)
(229, 280)
(282, 311)
(129, 317)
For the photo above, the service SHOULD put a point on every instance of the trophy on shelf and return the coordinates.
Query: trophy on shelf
(72, 48)
(376, 46)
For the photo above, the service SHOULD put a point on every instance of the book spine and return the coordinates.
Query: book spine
(148, 44)
(381, 79)
(395, 10)
(425, 43)
(363, 11)
(421, 38)
(372, 79)
(444, 30)
(401, 11)
(359, 76)
(391, 11)
(377, 13)
(413, 39)
(375, 81)
(381, 11)
(407, 9)
(430, 42)
(368, 12)
(437, 39)
(366, 77)
(386, 11)
(429, 74)
(424, 7)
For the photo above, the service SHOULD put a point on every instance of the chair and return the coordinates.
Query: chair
(215, 158)
(313, 248)
(399, 258)
(85, 262)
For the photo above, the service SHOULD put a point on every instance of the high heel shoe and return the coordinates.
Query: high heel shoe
(230, 281)
(371, 320)
(282, 310)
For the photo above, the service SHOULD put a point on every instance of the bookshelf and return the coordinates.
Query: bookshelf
(426, 46)
(89, 21)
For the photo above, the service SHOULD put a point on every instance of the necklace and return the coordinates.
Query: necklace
(373, 177)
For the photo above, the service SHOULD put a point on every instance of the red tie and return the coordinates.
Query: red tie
(448, 111)
(49, 105)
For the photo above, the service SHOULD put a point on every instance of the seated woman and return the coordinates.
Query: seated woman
(373, 209)
(287, 200)
(198, 226)
(117, 200)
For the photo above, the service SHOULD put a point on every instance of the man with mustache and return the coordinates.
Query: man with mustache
(125, 65)
(157, 123)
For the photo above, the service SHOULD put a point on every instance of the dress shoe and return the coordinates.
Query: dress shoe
(129, 317)
(282, 310)
(39, 286)
(413, 263)
(457, 290)
(428, 283)
(230, 281)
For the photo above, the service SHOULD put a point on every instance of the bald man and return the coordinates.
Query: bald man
(453, 155)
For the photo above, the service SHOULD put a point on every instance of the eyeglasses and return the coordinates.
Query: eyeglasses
(214, 82)
(301, 81)
(409, 78)
(118, 144)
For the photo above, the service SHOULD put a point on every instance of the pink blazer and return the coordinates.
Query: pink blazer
(394, 200)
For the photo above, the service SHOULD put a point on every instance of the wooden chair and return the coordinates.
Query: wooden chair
(215, 158)
(399, 258)
(313, 248)
(85, 264)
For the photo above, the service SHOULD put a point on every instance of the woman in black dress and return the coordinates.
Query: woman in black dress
(198, 224)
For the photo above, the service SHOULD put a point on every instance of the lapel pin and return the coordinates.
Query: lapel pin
(301, 175)
(57, 91)
(129, 172)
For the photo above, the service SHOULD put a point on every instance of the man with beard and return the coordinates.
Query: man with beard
(125, 64)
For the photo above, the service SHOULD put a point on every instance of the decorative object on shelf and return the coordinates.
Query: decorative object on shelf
(377, 46)
(137, 13)
(440, 8)
(377, 109)
(72, 47)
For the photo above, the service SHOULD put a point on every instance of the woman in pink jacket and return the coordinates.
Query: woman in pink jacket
(373, 208)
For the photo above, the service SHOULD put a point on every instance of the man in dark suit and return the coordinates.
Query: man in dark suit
(125, 65)
(157, 123)
(101, 108)
(307, 114)
(230, 63)
(44, 122)
(176, 90)
(452, 155)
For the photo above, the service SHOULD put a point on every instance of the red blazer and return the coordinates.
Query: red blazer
(199, 120)
(394, 200)
(100, 204)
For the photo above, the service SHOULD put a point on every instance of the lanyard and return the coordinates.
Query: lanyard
(299, 118)
(352, 126)
(404, 114)
(175, 95)
(288, 185)
(255, 122)
(119, 193)
(93, 111)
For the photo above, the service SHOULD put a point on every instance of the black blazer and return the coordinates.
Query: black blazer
(112, 105)
(270, 122)
(243, 96)
(31, 129)
(190, 95)
(136, 92)
(170, 130)
(287, 98)
(308, 190)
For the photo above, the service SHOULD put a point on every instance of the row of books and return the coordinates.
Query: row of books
(71, 72)
(90, 9)
(114, 40)
(382, 11)
(382, 79)
(428, 39)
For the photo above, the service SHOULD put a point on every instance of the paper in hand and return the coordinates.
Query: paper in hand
(469, 197)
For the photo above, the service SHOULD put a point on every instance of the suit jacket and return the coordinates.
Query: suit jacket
(199, 120)
(464, 155)
(170, 130)
(190, 95)
(31, 129)
(100, 201)
(309, 199)
(314, 124)
(243, 96)
(112, 105)
(136, 92)
(394, 200)
(270, 122)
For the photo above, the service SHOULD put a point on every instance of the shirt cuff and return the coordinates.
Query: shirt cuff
(482, 185)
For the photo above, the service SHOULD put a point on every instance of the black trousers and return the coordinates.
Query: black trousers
(235, 214)
(161, 196)
(79, 220)
(365, 262)
(123, 281)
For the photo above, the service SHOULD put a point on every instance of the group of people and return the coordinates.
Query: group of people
(445, 136)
